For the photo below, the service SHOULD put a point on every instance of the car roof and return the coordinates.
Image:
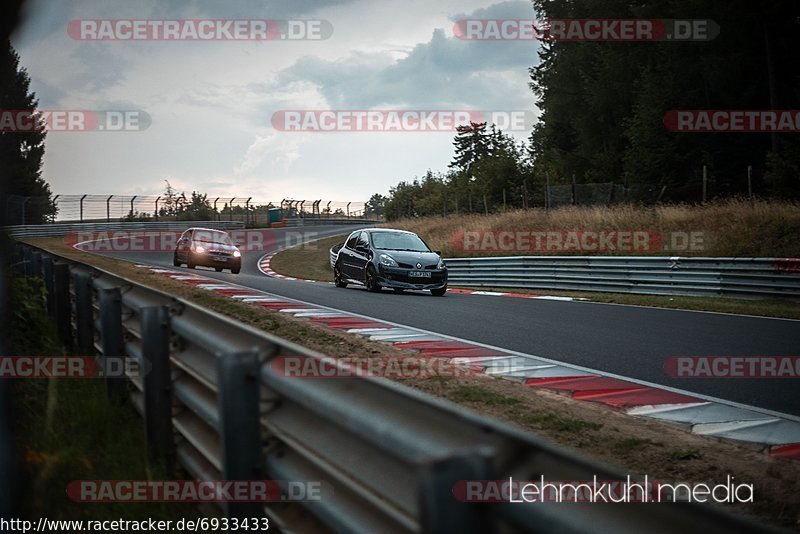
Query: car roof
(206, 229)
(392, 230)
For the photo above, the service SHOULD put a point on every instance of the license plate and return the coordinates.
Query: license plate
(221, 258)
(420, 274)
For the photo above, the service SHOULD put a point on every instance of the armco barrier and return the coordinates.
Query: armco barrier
(316, 221)
(737, 277)
(62, 229)
(390, 455)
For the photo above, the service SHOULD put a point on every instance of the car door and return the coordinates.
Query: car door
(346, 255)
(183, 245)
(361, 256)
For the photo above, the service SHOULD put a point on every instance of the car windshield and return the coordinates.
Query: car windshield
(398, 241)
(209, 236)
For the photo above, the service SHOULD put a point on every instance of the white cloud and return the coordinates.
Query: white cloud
(211, 102)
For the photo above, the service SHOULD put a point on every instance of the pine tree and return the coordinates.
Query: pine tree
(21, 152)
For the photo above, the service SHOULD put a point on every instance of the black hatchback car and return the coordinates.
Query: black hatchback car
(209, 248)
(380, 257)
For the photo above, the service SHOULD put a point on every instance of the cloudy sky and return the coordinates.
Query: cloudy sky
(211, 103)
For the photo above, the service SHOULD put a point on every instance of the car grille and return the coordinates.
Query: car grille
(436, 278)
(405, 265)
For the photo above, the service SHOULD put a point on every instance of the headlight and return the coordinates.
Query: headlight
(441, 264)
(199, 249)
(237, 254)
(387, 260)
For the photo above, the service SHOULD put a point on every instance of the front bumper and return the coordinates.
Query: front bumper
(210, 260)
(398, 278)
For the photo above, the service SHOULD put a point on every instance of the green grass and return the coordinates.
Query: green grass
(559, 423)
(67, 429)
(689, 454)
(310, 261)
(629, 445)
(483, 396)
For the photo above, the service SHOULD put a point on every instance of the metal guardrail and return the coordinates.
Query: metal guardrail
(62, 229)
(737, 277)
(391, 455)
(312, 221)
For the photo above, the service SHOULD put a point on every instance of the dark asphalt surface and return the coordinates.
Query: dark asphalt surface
(624, 340)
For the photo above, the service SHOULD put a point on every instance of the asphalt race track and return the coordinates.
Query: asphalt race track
(625, 340)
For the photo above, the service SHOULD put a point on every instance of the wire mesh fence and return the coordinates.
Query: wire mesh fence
(601, 194)
(110, 208)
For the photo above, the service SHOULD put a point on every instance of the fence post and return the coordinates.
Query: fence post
(113, 343)
(240, 427)
(108, 208)
(749, 181)
(62, 302)
(84, 314)
(26, 261)
(82, 198)
(547, 191)
(157, 389)
(24, 202)
(574, 192)
(47, 270)
(155, 209)
(439, 510)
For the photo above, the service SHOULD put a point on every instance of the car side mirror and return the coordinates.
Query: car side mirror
(437, 252)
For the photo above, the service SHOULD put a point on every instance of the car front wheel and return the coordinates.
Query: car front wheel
(371, 280)
(338, 279)
(175, 261)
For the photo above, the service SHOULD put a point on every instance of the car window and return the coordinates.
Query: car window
(363, 240)
(399, 241)
(212, 236)
(351, 241)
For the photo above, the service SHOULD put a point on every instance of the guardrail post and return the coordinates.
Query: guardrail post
(113, 343)
(440, 510)
(240, 433)
(157, 398)
(47, 272)
(84, 314)
(62, 302)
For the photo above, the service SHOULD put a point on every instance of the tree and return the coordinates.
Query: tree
(21, 152)
(471, 145)
(603, 104)
(196, 209)
(375, 205)
(169, 201)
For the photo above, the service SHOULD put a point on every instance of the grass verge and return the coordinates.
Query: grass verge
(66, 430)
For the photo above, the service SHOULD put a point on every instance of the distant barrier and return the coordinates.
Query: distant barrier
(735, 277)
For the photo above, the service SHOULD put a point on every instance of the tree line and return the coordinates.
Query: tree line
(603, 107)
